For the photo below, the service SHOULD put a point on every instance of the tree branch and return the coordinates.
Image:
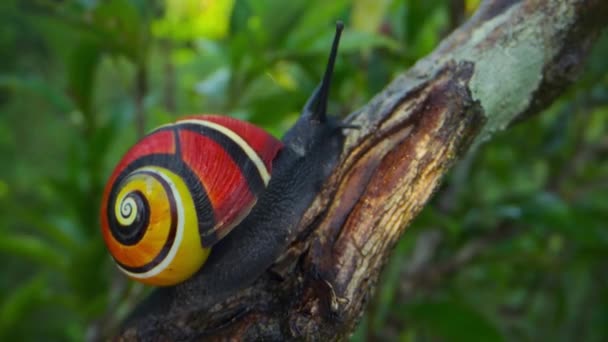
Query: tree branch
(508, 62)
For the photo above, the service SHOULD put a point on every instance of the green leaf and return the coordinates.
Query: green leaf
(127, 31)
(272, 21)
(34, 249)
(453, 321)
(81, 76)
(4, 190)
(90, 261)
(37, 86)
(352, 41)
(66, 239)
(17, 304)
(319, 19)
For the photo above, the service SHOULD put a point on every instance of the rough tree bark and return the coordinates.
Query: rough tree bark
(507, 62)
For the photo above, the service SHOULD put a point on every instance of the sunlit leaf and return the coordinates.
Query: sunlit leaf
(368, 15)
(191, 19)
(471, 5)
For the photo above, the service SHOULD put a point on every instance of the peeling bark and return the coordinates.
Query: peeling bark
(507, 62)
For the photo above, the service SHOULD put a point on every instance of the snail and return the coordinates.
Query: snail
(181, 189)
(215, 199)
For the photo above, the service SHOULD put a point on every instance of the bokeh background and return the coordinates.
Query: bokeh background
(513, 247)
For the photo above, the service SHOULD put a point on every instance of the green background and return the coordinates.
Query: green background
(513, 246)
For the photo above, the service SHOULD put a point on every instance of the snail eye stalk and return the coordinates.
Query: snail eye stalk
(317, 104)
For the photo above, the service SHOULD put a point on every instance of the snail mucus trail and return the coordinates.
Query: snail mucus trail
(310, 151)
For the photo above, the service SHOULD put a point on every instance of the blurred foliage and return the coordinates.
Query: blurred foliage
(81, 79)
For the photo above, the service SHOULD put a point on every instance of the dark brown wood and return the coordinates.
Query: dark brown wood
(507, 62)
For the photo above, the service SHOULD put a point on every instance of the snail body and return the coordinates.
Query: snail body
(209, 202)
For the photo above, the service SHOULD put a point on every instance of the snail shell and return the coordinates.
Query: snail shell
(181, 189)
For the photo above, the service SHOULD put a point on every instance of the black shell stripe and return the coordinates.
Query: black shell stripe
(204, 210)
(172, 229)
(130, 235)
(234, 150)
